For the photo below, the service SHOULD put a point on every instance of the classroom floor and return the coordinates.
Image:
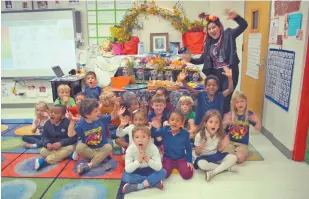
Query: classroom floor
(274, 177)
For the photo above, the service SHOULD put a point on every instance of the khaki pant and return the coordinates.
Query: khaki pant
(55, 156)
(237, 147)
(95, 155)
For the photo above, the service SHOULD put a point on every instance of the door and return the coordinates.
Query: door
(257, 15)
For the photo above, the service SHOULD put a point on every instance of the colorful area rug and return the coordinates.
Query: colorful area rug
(20, 180)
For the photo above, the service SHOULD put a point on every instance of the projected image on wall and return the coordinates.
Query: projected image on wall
(35, 41)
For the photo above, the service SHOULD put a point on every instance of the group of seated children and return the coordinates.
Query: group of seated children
(218, 143)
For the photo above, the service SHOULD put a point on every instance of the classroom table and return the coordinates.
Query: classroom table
(144, 95)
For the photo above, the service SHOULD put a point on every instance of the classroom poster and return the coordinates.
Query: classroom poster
(274, 30)
(31, 90)
(279, 75)
(42, 89)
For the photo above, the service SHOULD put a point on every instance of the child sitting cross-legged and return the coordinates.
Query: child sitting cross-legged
(41, 116)
(57, 143)
(143, 167)
(176, 144)
(92, 130)
(209, 144)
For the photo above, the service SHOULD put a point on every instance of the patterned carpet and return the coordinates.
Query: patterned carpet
(20, 180)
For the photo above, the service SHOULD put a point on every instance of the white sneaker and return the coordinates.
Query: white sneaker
(209, 175)
(233, 169)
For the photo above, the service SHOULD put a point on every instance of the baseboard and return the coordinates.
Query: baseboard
(283, 149)
(25, 105)
(16, 121)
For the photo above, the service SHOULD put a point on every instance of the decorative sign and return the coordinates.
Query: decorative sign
(288, 6)
(279, 76)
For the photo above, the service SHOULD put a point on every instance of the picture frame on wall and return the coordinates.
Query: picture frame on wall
(174, 47)
(8, 5)
(159, 42)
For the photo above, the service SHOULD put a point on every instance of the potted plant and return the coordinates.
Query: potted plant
(194, 37)
(118, 38)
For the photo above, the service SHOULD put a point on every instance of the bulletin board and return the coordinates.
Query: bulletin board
(102, 15)
(279, 77)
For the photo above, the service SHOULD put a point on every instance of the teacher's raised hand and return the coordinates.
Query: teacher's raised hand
(231, 14)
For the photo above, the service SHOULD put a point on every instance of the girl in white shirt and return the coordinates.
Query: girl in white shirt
(139, 119)
(210, 142)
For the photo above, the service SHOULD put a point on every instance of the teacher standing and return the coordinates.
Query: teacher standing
(220, 50)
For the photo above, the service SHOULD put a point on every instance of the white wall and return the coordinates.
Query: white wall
(9, 83)
(280, 123)
(151, 25)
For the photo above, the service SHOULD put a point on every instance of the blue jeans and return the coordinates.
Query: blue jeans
(33, 139)
(141, 174)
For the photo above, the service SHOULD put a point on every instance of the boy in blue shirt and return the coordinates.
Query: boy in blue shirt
(210, 98)
(158, 114)
(92, 90)
(57, 143)
(93, 132)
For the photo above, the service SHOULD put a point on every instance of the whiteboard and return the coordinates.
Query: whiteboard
(34, 41)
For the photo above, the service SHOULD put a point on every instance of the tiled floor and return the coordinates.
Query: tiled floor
(274, 178)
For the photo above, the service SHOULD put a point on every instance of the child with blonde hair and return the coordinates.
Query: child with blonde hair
(185, 106)
(41, 116)
(209, 144)
(237, 123)
(143, 166)
(108, 99)
(64, 93)
(159, 114)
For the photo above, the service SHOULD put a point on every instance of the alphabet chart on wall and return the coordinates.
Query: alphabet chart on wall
(279, 77)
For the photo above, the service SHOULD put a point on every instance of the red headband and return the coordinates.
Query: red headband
(207, 17)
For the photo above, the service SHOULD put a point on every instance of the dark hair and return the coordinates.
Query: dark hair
(87, 106)
(81, 94)
(164, 91)
(209, 39)
(129, 103)
(91, 73)
(210, 77)
(62, 107)
(178, 112)
(209, 114)
(125, 105)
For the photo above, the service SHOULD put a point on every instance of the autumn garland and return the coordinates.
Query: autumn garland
(177, 17)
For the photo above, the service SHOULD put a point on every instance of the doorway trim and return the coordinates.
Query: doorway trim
(303, 115)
